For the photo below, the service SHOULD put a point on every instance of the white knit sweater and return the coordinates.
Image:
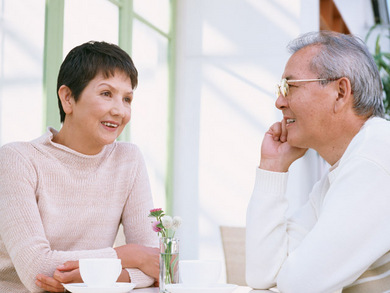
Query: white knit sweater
(58, 205)
(341, 231)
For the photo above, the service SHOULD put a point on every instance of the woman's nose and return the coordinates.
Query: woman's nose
(118, 109)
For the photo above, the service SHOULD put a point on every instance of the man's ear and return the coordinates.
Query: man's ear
(344, 95)
(66, 98)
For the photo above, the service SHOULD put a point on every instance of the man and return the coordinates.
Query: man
(331, 99)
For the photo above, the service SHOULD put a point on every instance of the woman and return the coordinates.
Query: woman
(63, 195)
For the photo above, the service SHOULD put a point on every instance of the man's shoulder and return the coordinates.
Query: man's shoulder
(375, 132)
(377, 123)
(373, 142)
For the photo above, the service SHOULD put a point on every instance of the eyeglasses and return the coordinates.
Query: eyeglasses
(283, 87)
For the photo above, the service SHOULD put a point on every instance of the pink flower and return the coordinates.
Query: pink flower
(156, 213)
(155, 226)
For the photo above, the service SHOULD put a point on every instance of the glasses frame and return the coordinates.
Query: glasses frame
(283, 87)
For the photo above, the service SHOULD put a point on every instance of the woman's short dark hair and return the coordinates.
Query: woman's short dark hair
(84, 62)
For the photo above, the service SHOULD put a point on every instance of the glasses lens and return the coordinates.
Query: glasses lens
(277, 90)
(284, 88)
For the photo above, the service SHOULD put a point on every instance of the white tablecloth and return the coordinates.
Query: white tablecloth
(240, 289)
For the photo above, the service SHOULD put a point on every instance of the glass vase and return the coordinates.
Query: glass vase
(169, 262)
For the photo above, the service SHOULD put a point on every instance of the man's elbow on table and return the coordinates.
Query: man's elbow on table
(259, 281)
(285, 283)
(294, 281)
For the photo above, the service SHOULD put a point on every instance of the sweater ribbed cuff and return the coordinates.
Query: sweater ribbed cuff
(272, 183)
(139, 278)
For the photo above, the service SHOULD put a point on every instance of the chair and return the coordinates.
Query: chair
(233, 243)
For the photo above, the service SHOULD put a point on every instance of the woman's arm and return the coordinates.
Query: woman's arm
(141, 258)
(21, 227)
(140, 255)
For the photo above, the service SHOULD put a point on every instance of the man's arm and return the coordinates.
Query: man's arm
(266, 227)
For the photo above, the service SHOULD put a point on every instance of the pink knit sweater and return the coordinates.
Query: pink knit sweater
(58, 205)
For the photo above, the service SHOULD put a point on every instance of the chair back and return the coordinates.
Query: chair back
(233, 243)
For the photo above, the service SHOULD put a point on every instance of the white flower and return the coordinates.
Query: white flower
(176, 222)
(167, 222)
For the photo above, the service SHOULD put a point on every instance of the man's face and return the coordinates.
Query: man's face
(308, 107)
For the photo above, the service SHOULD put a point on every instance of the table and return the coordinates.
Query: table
(240, 289)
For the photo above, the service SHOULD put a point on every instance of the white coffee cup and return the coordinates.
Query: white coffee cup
(199, 273)
(100, 272)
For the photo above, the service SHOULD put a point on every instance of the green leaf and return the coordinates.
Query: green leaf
(377, 45)
(382, 60)
(369, 32)
(385, 66)
(387, 55)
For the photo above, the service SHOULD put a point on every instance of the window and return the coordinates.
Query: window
(21, 57)
(83, 24)
(32, 50)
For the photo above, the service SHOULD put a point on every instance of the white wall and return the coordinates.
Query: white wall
(230, 54)
(357, 16)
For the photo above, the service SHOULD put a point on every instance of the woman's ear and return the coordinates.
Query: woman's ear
(66, 98)
(344, 95)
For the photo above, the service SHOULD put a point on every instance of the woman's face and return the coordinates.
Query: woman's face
(101, 112)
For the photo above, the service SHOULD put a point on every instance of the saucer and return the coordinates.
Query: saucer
(83, 288)
(215, 288)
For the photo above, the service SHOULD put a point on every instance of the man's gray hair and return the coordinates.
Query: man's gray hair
(346, 56)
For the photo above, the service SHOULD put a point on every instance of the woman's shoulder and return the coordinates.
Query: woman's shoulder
(126, 156)
(27, 144)
(126, 150)
(17, 147)
(15, 157)
(126, 147)
(24, 152)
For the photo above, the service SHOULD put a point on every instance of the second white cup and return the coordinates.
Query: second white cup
(199, 273)
(100, 272)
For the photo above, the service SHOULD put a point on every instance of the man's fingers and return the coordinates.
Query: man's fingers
(283, 135)
(276, 131)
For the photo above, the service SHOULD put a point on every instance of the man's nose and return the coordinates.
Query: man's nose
(281, 102)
